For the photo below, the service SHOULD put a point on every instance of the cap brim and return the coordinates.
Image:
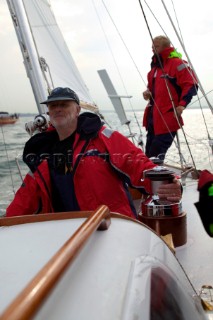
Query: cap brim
(57, 99)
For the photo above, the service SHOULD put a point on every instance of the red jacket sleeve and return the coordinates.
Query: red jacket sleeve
(187, 81)
(127, 158)
(26, 200)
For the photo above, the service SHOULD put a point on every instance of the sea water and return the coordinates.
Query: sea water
(13, 138)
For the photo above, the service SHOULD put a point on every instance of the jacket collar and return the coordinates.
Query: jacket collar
(88, 125)
(163, 56)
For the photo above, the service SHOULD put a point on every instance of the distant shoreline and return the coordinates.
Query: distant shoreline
(112, 110)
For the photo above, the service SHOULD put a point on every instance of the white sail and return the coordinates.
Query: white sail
(53, 55)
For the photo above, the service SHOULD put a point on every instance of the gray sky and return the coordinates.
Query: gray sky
(88, 45)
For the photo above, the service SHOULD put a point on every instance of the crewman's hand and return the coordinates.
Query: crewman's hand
(147, 94)
(179, 110)
(170, 191)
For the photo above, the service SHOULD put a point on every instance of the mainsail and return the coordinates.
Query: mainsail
(52, 54)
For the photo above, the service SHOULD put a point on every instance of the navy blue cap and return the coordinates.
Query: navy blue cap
(59, 93)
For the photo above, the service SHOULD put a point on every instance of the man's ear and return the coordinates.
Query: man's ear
(79, 109)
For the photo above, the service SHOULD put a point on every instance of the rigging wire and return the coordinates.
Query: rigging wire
(153, 16)
(177, 21)
(124, 43)
(205, 95)
(200, 141)
(200, 85)
(109, 46)
(199, 98)
(204, 121)
(115, 59)
(8, 160)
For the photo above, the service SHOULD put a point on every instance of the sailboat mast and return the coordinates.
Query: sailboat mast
(29, 52)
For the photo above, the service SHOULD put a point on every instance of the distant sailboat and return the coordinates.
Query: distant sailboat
(8, 118)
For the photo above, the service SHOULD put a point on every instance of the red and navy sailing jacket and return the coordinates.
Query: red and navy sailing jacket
(182, 85)
(104, 163)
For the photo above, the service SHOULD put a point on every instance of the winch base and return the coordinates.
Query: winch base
(177, 226)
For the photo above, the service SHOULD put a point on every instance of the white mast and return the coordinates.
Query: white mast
(29, 52)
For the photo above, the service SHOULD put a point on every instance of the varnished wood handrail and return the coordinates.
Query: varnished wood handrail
(41, 217)
(27, 303)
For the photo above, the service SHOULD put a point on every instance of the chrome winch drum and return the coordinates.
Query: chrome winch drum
(163, 216)
(153, 206)
(160, 208)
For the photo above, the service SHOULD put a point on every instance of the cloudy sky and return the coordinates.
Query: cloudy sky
(123, 47)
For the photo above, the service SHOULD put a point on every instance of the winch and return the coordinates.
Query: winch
(163, 216)
(153, 205)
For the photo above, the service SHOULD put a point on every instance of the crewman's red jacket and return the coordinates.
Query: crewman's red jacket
(107, 161)
(182, 86)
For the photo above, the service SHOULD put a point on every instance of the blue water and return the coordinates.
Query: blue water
(13, 138)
